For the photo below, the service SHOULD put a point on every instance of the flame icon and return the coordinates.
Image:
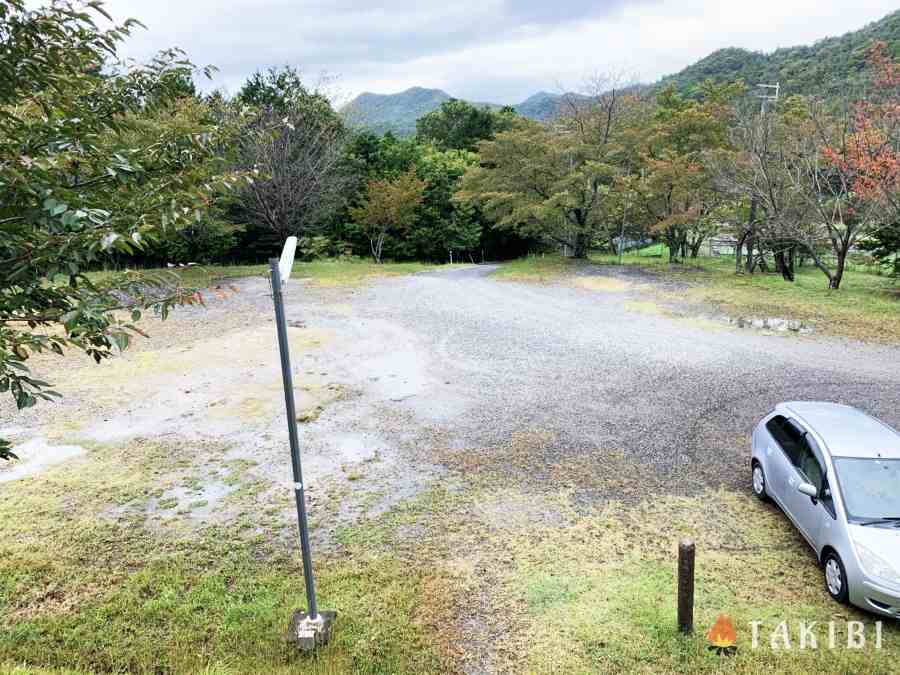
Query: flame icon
(722, 636)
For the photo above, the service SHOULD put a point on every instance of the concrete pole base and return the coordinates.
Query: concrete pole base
(308, 634)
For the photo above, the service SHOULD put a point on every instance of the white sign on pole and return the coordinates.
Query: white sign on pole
(286, 263)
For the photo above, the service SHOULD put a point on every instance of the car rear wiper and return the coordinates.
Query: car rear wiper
(881, 521)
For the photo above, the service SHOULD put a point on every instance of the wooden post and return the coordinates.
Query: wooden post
(686, 551)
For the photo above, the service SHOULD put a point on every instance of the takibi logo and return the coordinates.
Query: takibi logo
(722, 636)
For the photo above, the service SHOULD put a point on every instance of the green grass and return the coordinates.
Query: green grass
(343, 272)
(600, 594)
(535, 269)
(866, 307)
(83, 590)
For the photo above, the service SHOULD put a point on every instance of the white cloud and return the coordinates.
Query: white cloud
(492, 50)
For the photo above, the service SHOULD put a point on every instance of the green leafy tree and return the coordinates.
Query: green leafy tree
(281, 90)
(389, 205)
(458, 125)
(442, 225)
(95, 158)
(541, 183)
(676, 191)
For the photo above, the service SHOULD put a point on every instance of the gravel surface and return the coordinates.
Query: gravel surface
(602, 379)
(579, 383)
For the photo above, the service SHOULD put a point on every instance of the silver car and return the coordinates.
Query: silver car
(835, 472)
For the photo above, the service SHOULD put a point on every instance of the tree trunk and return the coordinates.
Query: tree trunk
(674, 246)
(817, 261)
(739, 252)
(751, 255)
(761, 259)
(835, 282)
(782, 265)
(751, 235)
(377, 244)
(695, 248)
(581, 246)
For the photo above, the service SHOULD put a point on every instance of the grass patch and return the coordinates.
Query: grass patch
(867, 306)
(84, 590)
(343, 272)
(600, 594)
(536, 269)
(585, 592)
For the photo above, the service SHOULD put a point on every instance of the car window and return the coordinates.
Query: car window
(826, 498)
(788, 436)
(810, 468)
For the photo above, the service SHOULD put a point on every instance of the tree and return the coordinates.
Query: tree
(281, 89)
(389, 206)
(297, 155)
(458, 125)
(884, 246)
(676, 191)
(539, 182)
(441, 225)
(820, 177)
(95, 157)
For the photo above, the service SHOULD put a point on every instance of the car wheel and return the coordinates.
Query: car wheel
(836, 578)
(759, 481)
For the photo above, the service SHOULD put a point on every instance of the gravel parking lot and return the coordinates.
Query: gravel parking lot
(418, 371)
(602, 372)
(524, 448)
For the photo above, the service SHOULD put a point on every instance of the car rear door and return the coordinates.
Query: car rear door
(781, 448)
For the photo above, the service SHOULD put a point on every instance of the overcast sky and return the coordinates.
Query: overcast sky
(485, 50)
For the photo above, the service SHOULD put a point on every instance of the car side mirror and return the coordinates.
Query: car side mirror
(809, 490)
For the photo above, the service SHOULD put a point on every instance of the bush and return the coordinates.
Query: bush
(205, 242)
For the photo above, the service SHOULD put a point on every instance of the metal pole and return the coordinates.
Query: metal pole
(281, 326)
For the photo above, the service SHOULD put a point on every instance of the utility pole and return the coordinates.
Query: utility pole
(768, 95)
(771, 93)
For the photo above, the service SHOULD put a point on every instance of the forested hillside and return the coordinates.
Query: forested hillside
(398, 113)
(826, 67)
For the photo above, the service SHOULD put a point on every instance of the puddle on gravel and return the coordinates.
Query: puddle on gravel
(35, 456)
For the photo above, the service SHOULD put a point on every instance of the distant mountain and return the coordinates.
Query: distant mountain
(398, 112)
(828, 67)
(393, 112)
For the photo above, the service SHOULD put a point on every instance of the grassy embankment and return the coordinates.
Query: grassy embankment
(866, 307)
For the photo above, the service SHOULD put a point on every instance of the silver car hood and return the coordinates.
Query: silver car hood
(882, 541)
